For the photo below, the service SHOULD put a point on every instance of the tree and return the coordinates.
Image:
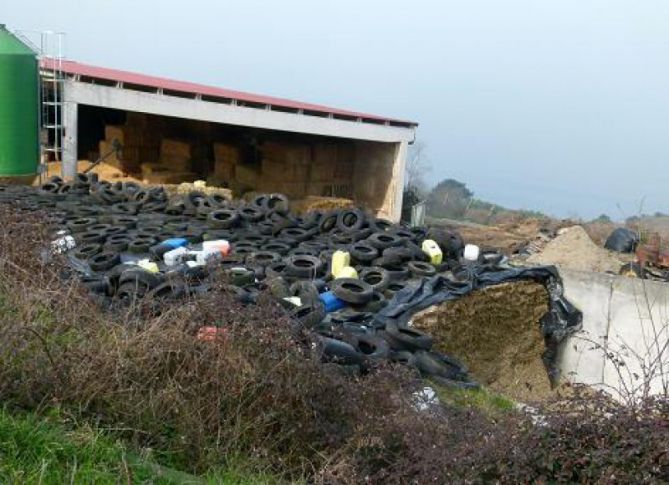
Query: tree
(603, 218)
(417, 166)
(449, 198)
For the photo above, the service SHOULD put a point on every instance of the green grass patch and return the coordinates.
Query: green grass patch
(486, 401)
(35, 450)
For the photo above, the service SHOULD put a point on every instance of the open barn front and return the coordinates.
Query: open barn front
(157, 149)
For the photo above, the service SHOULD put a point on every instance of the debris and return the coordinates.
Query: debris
(573, 249)
(622, 240)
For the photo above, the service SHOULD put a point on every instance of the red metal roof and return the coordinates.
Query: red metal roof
(126, 77)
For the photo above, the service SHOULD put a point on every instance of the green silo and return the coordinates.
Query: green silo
(19, 107)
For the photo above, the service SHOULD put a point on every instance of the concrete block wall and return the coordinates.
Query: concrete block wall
(626, 318)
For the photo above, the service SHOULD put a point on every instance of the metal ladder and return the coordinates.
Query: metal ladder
(51, 99)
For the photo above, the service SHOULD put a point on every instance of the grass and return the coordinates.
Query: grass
(490, 403)
(43, 450)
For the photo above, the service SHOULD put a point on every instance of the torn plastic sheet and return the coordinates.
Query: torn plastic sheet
(561, 319)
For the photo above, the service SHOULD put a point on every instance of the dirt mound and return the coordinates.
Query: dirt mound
(573, 249)
(495, 331)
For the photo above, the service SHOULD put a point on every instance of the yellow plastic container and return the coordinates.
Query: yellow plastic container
(340, 259)
(149, 266)
(347, 272)
(433, 251)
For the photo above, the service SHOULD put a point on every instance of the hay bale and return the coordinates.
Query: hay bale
(169, 177)
(495, 331)
(312, 203)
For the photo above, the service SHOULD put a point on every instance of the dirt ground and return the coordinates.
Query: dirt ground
(573, 249)
(495, 332)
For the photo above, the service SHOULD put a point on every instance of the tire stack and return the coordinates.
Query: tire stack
(117, 225)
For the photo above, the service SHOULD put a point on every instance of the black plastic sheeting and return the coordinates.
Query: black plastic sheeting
(561, 319)
(622, 240)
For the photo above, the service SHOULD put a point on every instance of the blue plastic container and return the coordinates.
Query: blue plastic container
(331, 302)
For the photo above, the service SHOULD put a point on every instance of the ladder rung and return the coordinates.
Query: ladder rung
(52, 103)
(53, 149)
(53, 126)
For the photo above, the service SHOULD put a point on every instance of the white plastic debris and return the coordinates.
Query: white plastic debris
(472, 252)
(425, 399)
(295, 300)
(219, 244)
(208, 255)
(62, 244)
(175, 256)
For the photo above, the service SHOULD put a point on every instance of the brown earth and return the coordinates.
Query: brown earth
(573, 249)
(495, 331)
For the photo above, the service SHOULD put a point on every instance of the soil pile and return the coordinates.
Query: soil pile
(495, 332)
(573, 249)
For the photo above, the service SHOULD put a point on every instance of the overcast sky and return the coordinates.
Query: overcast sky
(560, 106)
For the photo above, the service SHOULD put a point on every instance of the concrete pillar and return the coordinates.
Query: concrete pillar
(70, 155)
(397, 184)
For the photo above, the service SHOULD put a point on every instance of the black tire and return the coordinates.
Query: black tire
(223, 218)
(140, 245)
(275, 270)
(402, 338)
(374, 305)
(435, 364)
(403, 357)
(334, 350)
(376, 277)
(328, 222)
(303, 266)
(380, 225)
(277, 247)
(352, 290)
(383, 240)
(104, 261)
(87, 251)
(81, 224)
(92, 237)
(306, 291)
(633, 270)
(278, 203)
(296, 233)
(421, 269)
(371, 346)
(393, 288)
(263, 258)
(350, 220)
(363, 252)
(251, 213)
(310, 314)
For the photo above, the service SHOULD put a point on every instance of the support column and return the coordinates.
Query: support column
(399, 167)
(70, 155)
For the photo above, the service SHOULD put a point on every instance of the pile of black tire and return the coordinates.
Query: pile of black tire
(115, 224)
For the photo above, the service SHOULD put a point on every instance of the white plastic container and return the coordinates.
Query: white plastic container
(219, 244)
(175, 256)
(208, 255)
(472, 252)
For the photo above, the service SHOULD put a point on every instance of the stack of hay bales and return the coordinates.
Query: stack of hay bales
(140, 145)
(331, 171)
(226, 159)
(174, 165)
(285, 168)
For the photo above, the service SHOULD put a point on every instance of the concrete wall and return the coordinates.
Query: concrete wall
(626, 318)
(378, 177)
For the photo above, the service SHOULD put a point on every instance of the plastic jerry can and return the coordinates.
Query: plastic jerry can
(175, 256)
(347, 272)
(219, 244)
(340, 259)
(331, 302)
(147, 265)
(433, 251)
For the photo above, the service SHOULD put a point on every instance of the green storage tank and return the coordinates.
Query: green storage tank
(19, 107)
